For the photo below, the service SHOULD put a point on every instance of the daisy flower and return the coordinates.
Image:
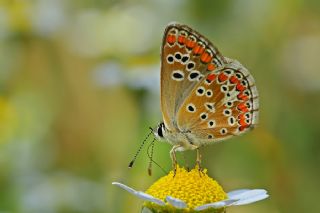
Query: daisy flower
(192, 192)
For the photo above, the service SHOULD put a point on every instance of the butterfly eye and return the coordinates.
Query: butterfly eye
(170, 59)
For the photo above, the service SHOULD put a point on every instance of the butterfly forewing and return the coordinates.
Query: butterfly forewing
(221, 105)
(187, 57)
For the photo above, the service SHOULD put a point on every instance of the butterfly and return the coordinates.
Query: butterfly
(205, 97)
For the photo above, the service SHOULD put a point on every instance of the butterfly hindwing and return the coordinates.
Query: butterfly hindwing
(223, 104)
(186, 58)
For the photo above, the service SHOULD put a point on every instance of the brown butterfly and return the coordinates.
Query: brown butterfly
(205, 97)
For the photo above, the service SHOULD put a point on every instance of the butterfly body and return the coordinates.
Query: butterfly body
(205, 97)
(181, 138)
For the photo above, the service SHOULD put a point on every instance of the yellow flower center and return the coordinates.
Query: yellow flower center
(194, 188)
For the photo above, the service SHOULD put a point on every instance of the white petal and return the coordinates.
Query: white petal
(251, 199)
(150, 198)
(235, 193)
(140, 194)
(132, 191)
(179, 204)
(244, 194)
(216, 205)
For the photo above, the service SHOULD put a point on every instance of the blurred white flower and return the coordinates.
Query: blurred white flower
(112, 74)
(119, 31)
(61, 191)
(48, 16)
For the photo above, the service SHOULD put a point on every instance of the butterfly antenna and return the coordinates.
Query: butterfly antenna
(150, 155)
(139, 150)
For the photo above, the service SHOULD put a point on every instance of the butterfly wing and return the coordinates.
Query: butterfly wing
(186, 57)
(223, 104)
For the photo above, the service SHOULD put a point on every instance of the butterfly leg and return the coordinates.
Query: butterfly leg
(199, 161)
(185, 162)
(174, 158)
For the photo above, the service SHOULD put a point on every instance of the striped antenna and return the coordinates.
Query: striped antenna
(139, 150)
(150, 155)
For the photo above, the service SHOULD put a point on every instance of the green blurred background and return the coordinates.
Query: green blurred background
(79, 87)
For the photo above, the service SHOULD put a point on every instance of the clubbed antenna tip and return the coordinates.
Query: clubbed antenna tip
(131, 164)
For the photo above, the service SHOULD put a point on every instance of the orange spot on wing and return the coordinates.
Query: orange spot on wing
(245, 109)
(198, 50)
(171, 39)
(242, 96)
(222, 77)
(211, 77)
(240, 87)
(241, 128)
(234, 79)
(205, 57)
(181, 39)
(211, 67)
(242, 122)
(241, 105)
(241, 116)
(190, 44)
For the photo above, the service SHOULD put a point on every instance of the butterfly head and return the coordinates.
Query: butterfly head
(160, 131)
